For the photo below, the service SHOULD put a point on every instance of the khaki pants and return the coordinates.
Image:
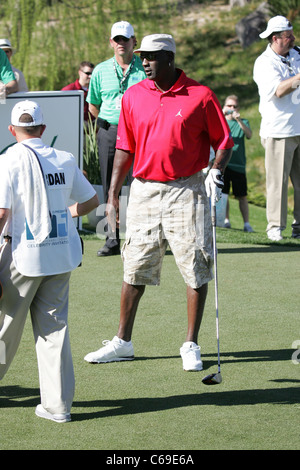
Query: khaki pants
(175, 213)
(282, 160)
(47, 299)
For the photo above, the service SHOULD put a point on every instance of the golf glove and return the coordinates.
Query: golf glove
(214, 184)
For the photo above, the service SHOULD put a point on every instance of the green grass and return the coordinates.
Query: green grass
(150, 403)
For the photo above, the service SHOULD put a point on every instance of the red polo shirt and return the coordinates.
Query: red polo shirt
(76, 86)
(170, 133)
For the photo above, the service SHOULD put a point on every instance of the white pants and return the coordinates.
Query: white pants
(282, 160)
(47, 299)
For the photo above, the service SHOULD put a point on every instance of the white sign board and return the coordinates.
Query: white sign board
(63, 115)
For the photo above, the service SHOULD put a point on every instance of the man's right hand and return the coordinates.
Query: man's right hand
(214, 184)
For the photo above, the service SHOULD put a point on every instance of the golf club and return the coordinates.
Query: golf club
(213, 379)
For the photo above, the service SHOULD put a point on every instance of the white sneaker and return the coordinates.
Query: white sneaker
(274, 234)
(113, 351)
(58, 418)
(227, 224)
(248, 228)
(191, 358)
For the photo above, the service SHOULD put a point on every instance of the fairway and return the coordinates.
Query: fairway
(151, 403)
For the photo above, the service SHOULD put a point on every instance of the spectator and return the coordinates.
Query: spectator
(109, 82)
(6, 46)
(8, 82)
(235, 172)
(82, 83)
(167, 125)
(42, 248)
(277, 74)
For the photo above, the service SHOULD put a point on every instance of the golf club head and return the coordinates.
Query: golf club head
(212, 379)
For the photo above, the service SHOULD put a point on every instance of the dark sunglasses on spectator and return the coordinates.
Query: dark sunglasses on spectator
(87, 73)
(150, 56)
(121, 38)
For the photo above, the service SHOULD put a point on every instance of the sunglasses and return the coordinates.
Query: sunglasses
(87, 73)
(150, 56)
(121, 38)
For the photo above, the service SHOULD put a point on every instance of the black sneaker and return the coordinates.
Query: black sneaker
(109, 251)
(295, 234)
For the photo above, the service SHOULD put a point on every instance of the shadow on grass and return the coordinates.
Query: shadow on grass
(131, 406)
(268, 355)
(272, 248)
(271, 355)
(11, 396)
(16, 396)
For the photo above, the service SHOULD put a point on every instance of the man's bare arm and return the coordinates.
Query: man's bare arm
(94, 110)
(11, 87)
(83, 208)
(287, 86)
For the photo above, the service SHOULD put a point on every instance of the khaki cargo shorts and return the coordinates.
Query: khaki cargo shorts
(176, 213)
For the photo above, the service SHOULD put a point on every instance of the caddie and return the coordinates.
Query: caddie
(41, 248)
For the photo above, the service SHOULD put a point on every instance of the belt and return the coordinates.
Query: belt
(105, 124)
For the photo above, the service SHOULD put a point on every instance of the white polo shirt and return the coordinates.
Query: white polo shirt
(61, 251)
(280, 116)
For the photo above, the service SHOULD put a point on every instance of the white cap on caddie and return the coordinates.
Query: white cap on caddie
(122, 28)
(157, 42)
(276, 25)
(27, 107)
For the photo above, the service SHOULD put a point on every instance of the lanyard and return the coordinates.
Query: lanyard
(121, 81)
(285, 61)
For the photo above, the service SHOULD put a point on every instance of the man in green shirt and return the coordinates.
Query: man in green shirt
(8, 83)
(235, 172)
(109, 81)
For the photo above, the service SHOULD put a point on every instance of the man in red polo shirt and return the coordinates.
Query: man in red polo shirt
(82, 83)
(168, 123)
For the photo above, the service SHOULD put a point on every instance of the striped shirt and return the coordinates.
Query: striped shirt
(105, 88)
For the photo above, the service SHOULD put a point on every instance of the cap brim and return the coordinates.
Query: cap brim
(5, 48)
(266, 34)
(124, 35)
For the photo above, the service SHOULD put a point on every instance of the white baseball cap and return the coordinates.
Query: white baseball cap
(276, 25)
(157, 42)
(28, 107)
(6, 44)
(122, 28)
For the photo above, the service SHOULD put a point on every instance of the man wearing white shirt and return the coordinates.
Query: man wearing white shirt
(41, 248)
(277, 75)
